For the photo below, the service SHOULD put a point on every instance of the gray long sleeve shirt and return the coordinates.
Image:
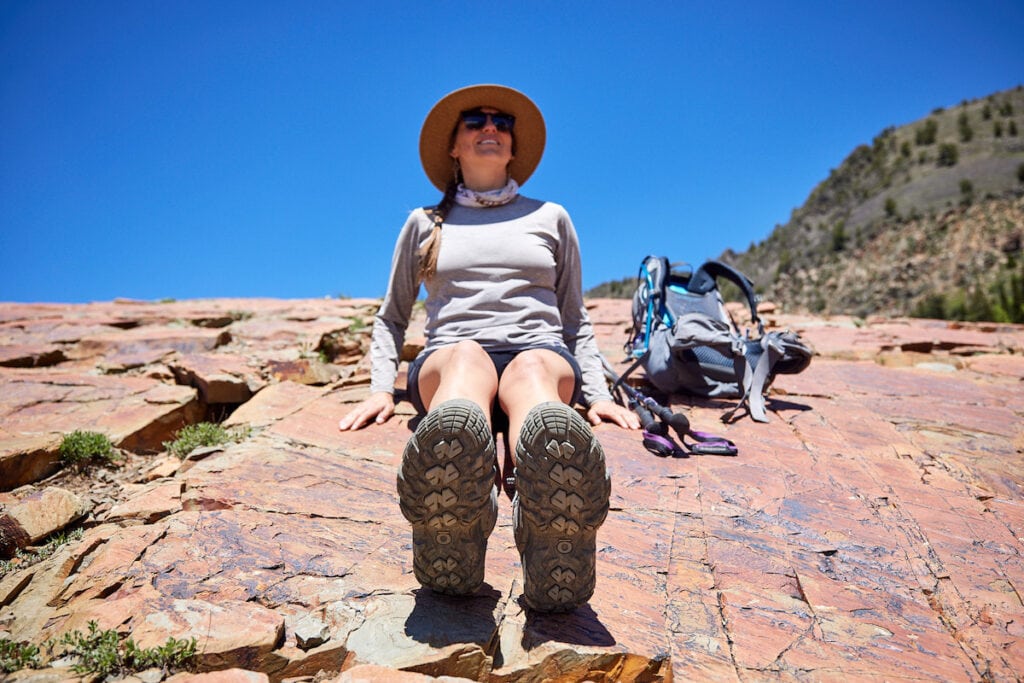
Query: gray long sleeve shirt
(508, 277)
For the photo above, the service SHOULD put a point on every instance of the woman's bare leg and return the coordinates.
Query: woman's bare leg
(462, 370)
(533, 377)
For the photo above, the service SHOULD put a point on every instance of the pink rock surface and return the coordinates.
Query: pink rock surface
(219, 378)
(39, 406)
(872, 530)
(39, 514)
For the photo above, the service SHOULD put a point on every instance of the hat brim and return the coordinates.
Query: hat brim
(435, 136)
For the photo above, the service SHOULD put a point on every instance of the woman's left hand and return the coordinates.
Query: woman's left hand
(609, 411)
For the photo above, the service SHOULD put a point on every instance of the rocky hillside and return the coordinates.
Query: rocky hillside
(926, 220)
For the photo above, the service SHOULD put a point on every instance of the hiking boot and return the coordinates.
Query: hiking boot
(446, 490)
(562, 490)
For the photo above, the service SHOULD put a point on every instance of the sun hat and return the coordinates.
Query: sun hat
(436, 135)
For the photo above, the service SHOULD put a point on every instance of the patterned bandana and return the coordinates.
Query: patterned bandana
(503, 195)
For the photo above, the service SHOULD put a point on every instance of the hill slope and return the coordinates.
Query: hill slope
(927, 219)
(927, 216)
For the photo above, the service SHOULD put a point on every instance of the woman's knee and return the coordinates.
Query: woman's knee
(464, 361)
(540, 368)
(467, 356)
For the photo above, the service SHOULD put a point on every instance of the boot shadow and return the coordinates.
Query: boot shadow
(582, 626)
(440, 620)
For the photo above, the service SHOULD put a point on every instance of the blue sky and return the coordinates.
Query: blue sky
(183, 149)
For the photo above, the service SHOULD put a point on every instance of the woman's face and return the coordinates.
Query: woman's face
(484, 146)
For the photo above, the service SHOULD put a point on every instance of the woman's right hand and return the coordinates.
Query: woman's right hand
(378, 407)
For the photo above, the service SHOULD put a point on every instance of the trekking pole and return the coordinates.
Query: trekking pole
(656, 434)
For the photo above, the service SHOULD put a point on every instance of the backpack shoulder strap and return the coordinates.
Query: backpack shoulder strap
(704, 280)
(648, 303)
(655, 270)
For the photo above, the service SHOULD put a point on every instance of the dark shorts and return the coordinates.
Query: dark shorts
(501, 359)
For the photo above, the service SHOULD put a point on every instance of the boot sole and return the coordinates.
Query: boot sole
(562, 491)
(446, 490)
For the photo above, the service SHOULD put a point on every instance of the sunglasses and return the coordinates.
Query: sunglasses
(476, 119)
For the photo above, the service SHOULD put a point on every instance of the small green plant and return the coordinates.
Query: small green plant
(101, 653)
(201, 434)
(54, 543)
(104, 653)
(17, 656)
(80, 448)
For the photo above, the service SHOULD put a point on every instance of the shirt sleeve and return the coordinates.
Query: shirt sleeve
(392, 318)
(577, 330)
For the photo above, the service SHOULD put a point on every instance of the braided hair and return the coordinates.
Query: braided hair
(432, 247)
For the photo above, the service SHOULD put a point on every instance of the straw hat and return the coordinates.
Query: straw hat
(436, 135)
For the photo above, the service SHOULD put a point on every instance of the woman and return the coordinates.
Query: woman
(506, 334)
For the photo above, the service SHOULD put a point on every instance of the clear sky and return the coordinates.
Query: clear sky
(193, 149)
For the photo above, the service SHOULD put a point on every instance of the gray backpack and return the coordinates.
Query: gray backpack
(687, 343)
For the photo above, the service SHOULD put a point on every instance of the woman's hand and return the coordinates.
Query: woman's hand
(378, 407)
(609, 411)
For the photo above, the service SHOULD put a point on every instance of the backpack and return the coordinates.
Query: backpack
(687, 342)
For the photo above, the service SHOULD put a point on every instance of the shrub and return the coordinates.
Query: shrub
(949, 154)
(17, 656)
(931, 306)
(964, 126)
(1004, 302)
(81, 447)
(1010, 292)
(53, 543)
(966, 192)
(978, 306)
(925, 134)
(839, 237)
(890, 208)
(104, 653)
(99, 653)
(1020, 173)
(201, 434)
(785, 262)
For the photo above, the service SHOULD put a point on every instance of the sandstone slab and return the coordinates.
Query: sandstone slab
(36, 516)
(149, 339)
(38, 407)
(219, 378)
